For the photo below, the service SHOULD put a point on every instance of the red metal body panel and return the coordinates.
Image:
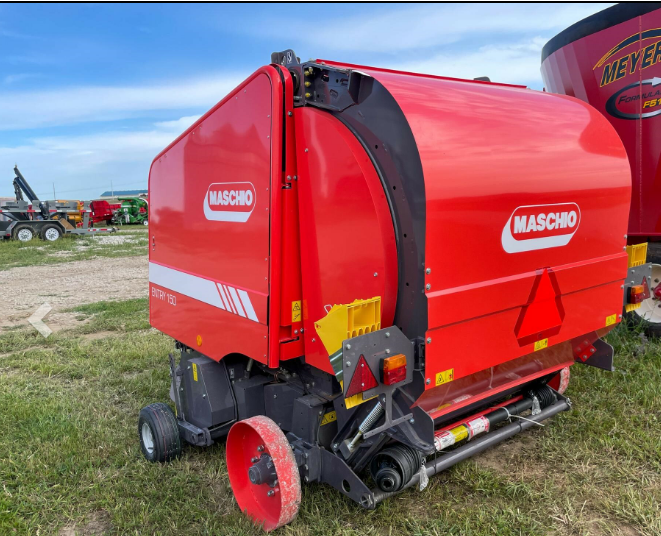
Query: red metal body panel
(231, 145)
(622, 65)
(487, 150)
(348, 246)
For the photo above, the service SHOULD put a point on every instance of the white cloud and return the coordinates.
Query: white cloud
(83, 166)
(433, 25)
(19, 77)
(515, 63)
(33, 109)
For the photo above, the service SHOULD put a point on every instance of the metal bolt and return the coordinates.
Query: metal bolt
(290, 114)
(334, 446)
(288, 177)
(306, 467)
(621, 286)
(376, 274)
(412, 421)
(271, 493)
(295, 332)
(428, 286)
(204, 396)
(314, 340)
(306, 150)
(295, 177)
(348, 347)
(275, 396)
(625, 236)
(188, 367)
(584, 357)
(348, 364)
(428, 340)
(260, 448)
(301, 330)
(254, 459)
(619, 316)
(592, 350)
(428, 270)
(306, 478)
(624, 248)
(387, 334)
(387, 350)
(428, 381)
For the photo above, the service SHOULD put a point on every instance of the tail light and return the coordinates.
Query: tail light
(393, 369)
(636, 294)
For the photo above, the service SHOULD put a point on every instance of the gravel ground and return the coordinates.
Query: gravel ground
(69, 284)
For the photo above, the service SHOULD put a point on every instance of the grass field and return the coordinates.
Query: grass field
(129, 240)
(70, 461)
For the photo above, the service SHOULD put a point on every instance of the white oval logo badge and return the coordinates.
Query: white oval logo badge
(230, 201)
(540, 227)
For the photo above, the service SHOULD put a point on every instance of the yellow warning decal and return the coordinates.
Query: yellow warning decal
(356, 400)
(540, 345)
(459, 433)
(610, 320)
(445, 376)
(296, 311)
(328, 418)
(194, 372)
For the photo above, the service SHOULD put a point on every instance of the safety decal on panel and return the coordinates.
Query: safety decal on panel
(296, 311)
(540, 345)
(328, 418)
(444, 377)
(610, 320)
(194, 372)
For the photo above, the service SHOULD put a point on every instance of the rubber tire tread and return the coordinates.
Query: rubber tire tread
(163, 423)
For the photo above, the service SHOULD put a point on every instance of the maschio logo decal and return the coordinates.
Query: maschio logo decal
(230, 201)
(540, 227)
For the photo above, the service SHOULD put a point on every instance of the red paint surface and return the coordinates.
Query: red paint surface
(575, 70)
(243, 441)
(487, 149)
(347, 234)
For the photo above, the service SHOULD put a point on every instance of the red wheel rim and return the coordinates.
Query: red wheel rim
(560, 381)
(243, 441)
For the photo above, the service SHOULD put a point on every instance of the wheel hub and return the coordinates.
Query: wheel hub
(147, 438)
(24, 235)
(650, 309)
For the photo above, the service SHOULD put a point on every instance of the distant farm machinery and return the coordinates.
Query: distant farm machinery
(49, 220)
(132, 210)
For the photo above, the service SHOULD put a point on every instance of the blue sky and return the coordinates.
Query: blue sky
(90, 93)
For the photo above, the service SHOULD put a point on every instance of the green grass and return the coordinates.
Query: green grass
(74, 248)
(69, 451)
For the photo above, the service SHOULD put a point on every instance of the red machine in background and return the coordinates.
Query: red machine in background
(312, 252)
(612, 60)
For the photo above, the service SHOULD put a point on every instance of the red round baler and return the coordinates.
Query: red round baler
(371, 274)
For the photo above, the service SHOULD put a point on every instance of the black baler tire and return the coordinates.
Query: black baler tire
(651, 329)
(165, 431)
(45, 228)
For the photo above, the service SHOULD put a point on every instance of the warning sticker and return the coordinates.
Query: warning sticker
(296, 311)
(540, 345)
(445, 376)
(610, 320)
(195, 371)
(328, 418)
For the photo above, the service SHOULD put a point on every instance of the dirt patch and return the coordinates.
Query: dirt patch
(516, 458)
(66, 285)
(98, 523)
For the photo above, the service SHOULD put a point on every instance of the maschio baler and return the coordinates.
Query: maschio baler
(372, 275)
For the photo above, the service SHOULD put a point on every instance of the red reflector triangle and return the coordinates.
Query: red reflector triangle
(363, 379)
(543, 314)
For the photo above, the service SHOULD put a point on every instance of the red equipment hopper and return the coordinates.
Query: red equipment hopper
(363, 267)
(612, 60)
